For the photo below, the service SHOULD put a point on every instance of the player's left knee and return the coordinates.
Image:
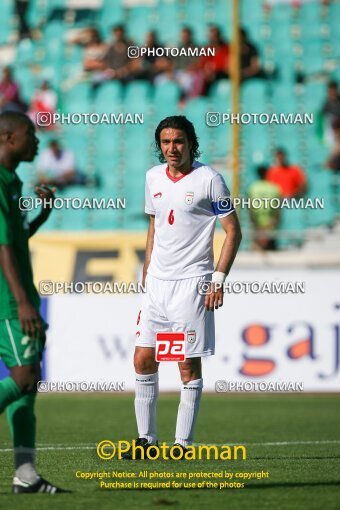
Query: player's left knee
(27, 378)
(190, 370)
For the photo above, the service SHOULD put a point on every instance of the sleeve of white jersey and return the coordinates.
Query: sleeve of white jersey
(148, 201)
(221, 202)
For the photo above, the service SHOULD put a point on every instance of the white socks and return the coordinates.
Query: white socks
(187, 411)
(145, 408)
(145, 405)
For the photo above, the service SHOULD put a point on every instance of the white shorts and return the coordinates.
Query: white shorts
(176, 305)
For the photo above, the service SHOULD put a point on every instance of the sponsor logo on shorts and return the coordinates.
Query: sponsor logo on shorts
(189, 197)
(170, 346)
(158, 195)
(191, 336)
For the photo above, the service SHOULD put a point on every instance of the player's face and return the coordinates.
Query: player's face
(24, 143)
(175, 147)
(280, 159)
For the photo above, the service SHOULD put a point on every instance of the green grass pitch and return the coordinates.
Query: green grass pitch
(294, 437)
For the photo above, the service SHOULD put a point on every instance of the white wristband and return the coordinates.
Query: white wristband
(218, 277)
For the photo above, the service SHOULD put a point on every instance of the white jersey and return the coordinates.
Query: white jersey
(185, 211)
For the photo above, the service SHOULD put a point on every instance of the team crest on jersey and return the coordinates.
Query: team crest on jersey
(189, 197)
(191, 336)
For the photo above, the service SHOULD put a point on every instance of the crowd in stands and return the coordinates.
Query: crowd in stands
(281, 180)
(57, 167)
(108, 60)
(331, 115)
(194, 74)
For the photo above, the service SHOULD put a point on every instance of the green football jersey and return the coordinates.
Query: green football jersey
(14, 231)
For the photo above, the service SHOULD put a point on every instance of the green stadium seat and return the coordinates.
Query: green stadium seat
(167, 21)
(138, 94)
(166, 99)
(254, 97)
(111, 13)
(310, 13)
(78, 98)
(36, 13)
(139, 22)
(7, 8)
(121, 154)
(25, 53)
(292, 220)
(221, 90)
(108, 97)
(27, 80)
(314, 96)
(251, 14)
(198, 16)
(196, 110)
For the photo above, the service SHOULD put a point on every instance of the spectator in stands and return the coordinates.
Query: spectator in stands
(44, 100)
(165, 70)
(331, 110)
(249, 59)
(188, 74)
(95, 50)
(10, 93)
(333, 162)
(21, 7)
(145, 67)
(266, 218)
(93, 62)
(215, 67)
(289, 178)
(116, 60)
(187, 41)
(56, 167)
(151, 42)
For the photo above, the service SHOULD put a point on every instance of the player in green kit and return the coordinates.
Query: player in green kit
(22, 329)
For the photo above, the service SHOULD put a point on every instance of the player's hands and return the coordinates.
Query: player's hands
(46, 193)
(214, 300)
(30, 321)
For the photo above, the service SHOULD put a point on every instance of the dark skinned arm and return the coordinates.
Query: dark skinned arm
(45, 193)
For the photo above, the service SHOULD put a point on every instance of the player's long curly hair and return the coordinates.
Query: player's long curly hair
(177, 122)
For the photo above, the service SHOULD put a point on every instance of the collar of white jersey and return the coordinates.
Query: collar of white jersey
(195, 165)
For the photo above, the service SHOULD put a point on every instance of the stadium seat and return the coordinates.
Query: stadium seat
(167, 20)
(111, 13)
(254, 96)
(27, 80)
(220, 91)
(108, 97)
(25, 52)
(199, 14)
(121, 154)
(139, 23)
(138, 94)
(166, 99)
(78, 98)
(6, 20)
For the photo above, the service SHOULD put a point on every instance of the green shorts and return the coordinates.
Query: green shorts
(16, 348)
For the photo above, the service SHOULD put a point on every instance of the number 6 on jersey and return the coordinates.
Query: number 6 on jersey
(171, 217)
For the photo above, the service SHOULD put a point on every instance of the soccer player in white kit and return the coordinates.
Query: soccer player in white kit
(183, 197)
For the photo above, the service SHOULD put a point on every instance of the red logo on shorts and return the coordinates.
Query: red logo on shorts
(170, 346)
(157, 195)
